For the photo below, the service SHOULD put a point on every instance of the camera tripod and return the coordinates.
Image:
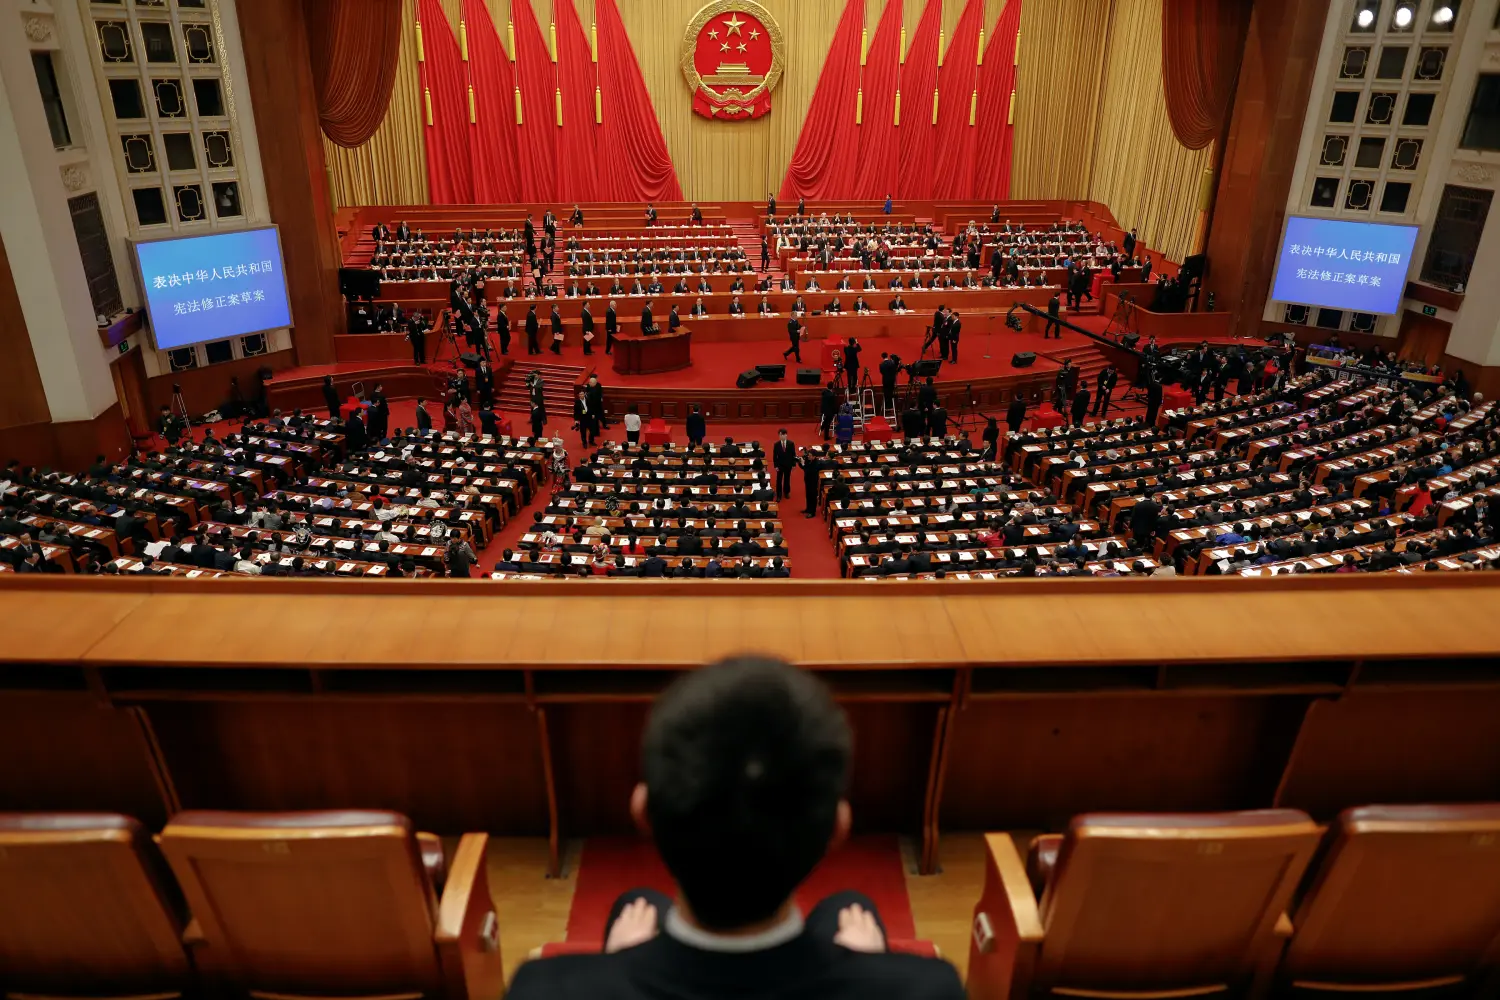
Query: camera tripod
(1124, 320)
(179, 405)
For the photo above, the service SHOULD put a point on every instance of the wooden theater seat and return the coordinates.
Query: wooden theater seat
(1407, 898)
(335, 904)
(1139, 906)
(87, 908)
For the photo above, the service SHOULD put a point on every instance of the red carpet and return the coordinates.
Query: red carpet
(611, 865)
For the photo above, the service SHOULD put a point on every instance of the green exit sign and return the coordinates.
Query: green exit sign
(1429, 310)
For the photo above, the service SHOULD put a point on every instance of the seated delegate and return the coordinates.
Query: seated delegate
(746, 764)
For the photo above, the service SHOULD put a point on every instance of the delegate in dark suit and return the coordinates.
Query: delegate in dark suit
(784, 460)
(1080, 406)
(1105, 389)
(744, 766)
(533, 328)
(794, 335)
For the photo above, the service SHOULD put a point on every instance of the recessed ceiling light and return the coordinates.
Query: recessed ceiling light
(1403, 17)
(1443, 15)
(1365, 18)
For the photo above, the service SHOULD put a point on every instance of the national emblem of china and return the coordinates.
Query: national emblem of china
(732, 56)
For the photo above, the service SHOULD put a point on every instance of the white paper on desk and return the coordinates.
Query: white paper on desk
(344, 544)
(323, 522)
(346, 567)
(154, 549)
(194, 572)
(429, 551)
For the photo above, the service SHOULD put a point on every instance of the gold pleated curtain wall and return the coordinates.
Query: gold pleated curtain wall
(1147, 178)
(1061, 50)
(1090, 117)
(390, 169)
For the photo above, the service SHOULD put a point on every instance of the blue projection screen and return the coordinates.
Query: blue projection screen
(211, 287)
(1343, 265)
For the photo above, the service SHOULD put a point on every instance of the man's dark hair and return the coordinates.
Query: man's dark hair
(745, 762)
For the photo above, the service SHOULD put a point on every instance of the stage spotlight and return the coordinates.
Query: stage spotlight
(1443, 15)
(1403, 17)
(1365, 18)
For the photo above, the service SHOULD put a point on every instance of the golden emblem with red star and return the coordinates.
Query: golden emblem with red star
(732, 57)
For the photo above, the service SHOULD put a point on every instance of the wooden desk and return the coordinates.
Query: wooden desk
(974, 705)
(639, 354)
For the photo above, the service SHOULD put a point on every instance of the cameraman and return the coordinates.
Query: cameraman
(170, 425)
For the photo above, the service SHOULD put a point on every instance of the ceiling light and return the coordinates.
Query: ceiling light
(1365, 18)
(1443, 15)
(1403, 17)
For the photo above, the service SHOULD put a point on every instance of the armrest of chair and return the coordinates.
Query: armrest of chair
(467, 934)
(1007, 931)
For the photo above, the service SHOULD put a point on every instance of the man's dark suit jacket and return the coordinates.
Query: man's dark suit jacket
(802, 969)
(783, 456)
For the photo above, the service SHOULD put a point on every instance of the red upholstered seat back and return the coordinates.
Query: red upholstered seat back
(86, 903)
(1172, 901)
(1405, 894)
(322, 902)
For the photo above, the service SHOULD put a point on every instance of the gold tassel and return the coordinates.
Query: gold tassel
(859, 107)
(594, 39)
(421, 53)
(473, 114)
(427, 103)
(1010, 116)
(864, 45)
(559, 106)
(979, 52)
(940, 48)
(519, 119)
(903, 44)
(973, 106)
(510, 34)
(934, 105)
(1018, 47)
(463, 40)
(598, 106)
(552, 28)
(897, 120)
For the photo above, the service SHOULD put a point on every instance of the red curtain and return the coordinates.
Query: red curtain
(1201, 45)
(577, 179)
(633, 161)
(879, 138)
(824, 162)
(918, 81)
(492, 136)
(997, 80)
(445, 129)
(355, 45)
(536, 134)
(958, 83)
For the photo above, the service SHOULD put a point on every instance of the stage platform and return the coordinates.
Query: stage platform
(984, 374)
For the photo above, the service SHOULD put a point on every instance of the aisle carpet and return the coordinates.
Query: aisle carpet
(809, 549)
(612, 865)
